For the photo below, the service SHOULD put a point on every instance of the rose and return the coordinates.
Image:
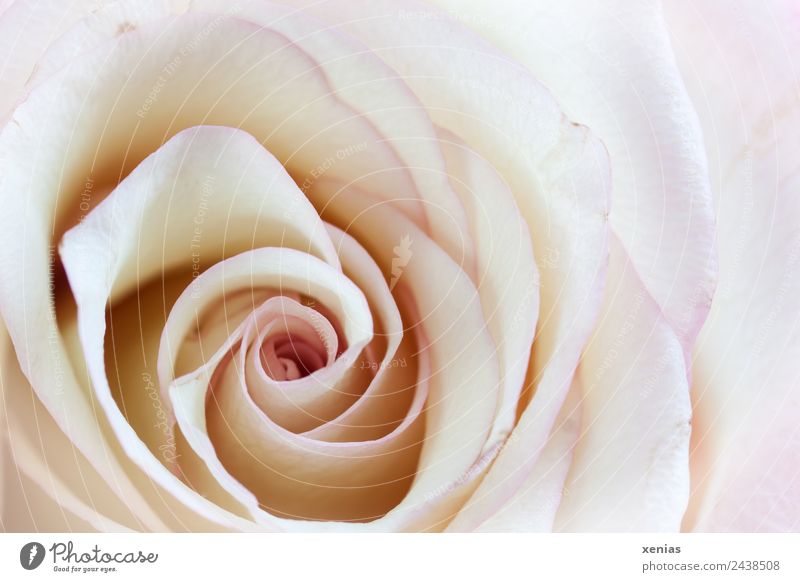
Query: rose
(157, 259)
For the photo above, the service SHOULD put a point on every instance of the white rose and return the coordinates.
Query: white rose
(389, 266)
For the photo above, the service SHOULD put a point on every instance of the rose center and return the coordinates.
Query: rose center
(293, 342)
(288, 357)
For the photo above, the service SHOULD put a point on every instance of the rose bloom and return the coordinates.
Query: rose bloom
(332, 265)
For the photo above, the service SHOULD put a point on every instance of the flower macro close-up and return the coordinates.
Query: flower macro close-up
(399, 266)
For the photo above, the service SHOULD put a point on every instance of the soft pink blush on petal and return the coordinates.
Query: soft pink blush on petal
(740, 61)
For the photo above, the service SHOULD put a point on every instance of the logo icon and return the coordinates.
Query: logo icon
(31, 555)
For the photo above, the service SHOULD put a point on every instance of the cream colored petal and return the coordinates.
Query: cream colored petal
(291, 460)
(630, 470)
(363, 81)
(534, 506)
(41, 452)
(277, 268)
(557, 171)
(464, 380)
(391, 390)
(102, 255)
(508, 278)
(125, 77)
(611, 67)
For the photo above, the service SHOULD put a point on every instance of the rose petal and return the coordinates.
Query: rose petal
(739, 62)
(384, 404)
(45, 455)
(102, 256)
(26, 31)
(133, 379)
(37, 209)
(35, 509)
(99, 23)
(284, 269)
(630, 470)
(307, 464)
(44, 483)
(464, 383)
(360, 79)
(302, 478)
(559, 176)
(508, 280)
(189, 397)
(121, 65)
(534, 506)
(578, 155)
(612, 68)
(677, 265)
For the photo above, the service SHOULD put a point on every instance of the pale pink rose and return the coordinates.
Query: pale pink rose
(399, 266)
